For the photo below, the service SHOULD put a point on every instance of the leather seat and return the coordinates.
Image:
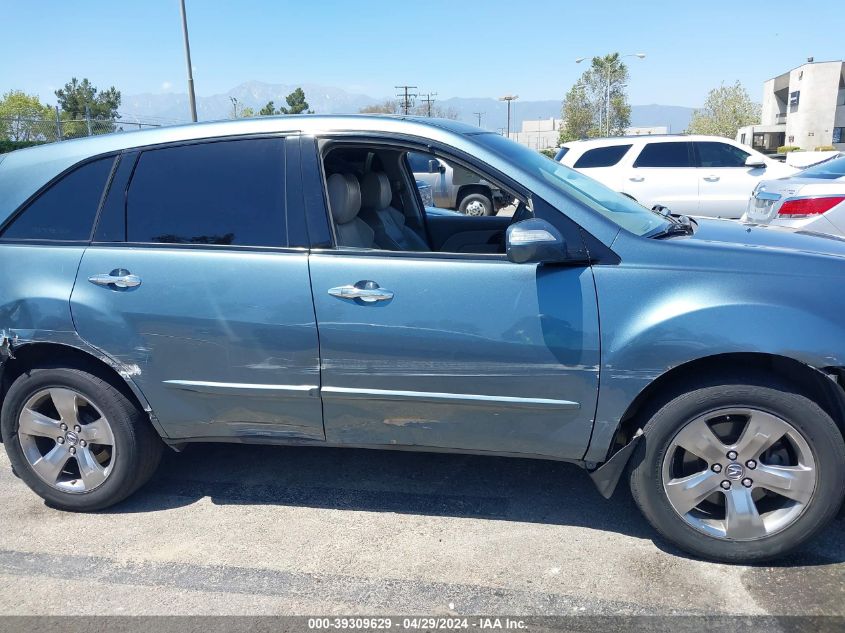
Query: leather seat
(391, 232)
(345, 203)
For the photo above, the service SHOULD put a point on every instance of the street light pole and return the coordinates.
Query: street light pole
(509, 98)
(192, 99)
(607, 95)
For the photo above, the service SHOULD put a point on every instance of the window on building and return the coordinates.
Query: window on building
(602, 156)
(838, 135)
(224, 193)
(670, 154)
(714, 154)
(65, 211)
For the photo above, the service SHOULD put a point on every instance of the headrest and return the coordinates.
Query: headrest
(375, 191)
(344, 197)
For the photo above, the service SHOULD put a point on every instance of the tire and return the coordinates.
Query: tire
(476, 204)
(119, 456)
(660, 462)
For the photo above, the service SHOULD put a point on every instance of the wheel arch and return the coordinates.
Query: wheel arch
(465, 190)
(822, 385)
(24, 356)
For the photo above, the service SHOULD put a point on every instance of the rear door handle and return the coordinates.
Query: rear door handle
(367, 291)
(636, 178)
(118, 278)
(711, 178)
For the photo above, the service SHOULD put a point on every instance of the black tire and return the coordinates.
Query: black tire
(476, 198)
(137, 444)
(818, 429)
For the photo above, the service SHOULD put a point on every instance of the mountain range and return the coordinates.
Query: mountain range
(173, 107)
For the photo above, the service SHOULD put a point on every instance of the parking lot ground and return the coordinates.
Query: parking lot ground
(229, 529)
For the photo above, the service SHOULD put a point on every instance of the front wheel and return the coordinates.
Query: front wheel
(739, 472)
(76, 439)
(476, 204)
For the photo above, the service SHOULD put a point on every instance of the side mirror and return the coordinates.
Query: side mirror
(535, 241)
(434, 167)
(755, 162)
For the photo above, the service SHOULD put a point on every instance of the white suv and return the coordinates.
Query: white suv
(694, 175)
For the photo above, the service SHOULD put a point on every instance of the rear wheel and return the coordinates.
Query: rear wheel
(75, 439)
(739, 472)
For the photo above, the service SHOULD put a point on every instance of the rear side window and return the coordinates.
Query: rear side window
(225, 193)
(714, 154)
(673, 154)
(602, 156)
(66, 211)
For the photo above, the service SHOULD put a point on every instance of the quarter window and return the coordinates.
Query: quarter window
(602, 156)
(64, 212)
(713, 154)
(672, 154)
(223, 193)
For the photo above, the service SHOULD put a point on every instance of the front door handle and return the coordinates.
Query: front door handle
(711, 178)
(636, 178)
(367, 291)
(118, 278)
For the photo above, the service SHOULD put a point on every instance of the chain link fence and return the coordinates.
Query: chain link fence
(23, 131)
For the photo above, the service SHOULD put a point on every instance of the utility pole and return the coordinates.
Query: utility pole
(509, 98)
(478, 115)
(406, 96)
(192, 99)
(428, 99)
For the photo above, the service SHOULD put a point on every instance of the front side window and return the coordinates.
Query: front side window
(222, 193)
(602, 156)
(714, 154)
(65, 211)
(420, 162)
(670, 154)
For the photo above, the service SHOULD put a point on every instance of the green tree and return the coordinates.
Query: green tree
(726, 109)
(239, 110)
(296, 103)
(598, 97)
(23, 118)
(268, 110)
(81, 99)
(577, 114)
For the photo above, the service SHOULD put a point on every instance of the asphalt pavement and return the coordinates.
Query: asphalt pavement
(229, 529)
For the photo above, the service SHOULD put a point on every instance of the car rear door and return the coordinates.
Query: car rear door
(725, 183)
(195, 286)
(663, 173)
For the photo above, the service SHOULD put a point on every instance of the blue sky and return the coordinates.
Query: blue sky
(464, 48)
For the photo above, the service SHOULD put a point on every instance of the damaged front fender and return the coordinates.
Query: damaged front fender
(606, 477)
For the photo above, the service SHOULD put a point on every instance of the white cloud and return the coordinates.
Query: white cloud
(166, 86)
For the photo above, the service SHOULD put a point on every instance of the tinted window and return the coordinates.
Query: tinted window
(561, 153)
(229, 192)
(828, 170)
(664, 155)
(67, 209)
(602, 156)
(711, 154)
(419, 162)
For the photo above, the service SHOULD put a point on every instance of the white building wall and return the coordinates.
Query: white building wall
(810, 123)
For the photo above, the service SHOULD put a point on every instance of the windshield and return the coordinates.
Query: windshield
(621, 209)
(828, 170)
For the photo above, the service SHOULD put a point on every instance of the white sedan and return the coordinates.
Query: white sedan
(813, 199)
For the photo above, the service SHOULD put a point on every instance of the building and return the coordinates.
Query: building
(545, 133)
(804, 107)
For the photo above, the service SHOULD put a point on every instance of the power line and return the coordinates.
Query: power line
(428, 99)
(406, 97)
(478, 115)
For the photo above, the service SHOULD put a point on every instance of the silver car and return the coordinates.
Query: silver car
(812, 200)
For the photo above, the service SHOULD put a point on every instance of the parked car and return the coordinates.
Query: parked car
(694, 175)
(811, 200)
(276, 280)
(426, 194)
(456, 187)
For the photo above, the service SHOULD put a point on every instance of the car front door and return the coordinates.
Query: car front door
(454, 351)
(192, 287)
(663, 173)
(725, 183)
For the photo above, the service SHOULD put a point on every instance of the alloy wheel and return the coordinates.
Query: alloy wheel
(739, 474)
(67, 440)
(476, 208)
